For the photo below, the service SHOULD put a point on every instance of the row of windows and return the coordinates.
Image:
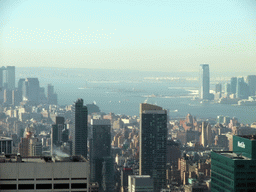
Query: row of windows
(216, 188)
(222, 167)
(221, 178)
(43, 186)
(225, 163)
(243, 186)
(42, 179)
(217, 182)
(246, 166)
(221, 171)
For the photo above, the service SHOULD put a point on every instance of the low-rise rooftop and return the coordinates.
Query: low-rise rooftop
(13, 158)
(5, 139)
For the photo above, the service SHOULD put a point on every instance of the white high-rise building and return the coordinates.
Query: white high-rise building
(204, 80)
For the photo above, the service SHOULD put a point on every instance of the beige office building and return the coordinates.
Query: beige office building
(43, 174)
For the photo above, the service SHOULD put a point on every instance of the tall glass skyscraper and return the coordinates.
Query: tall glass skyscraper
(100, 147)
(78, 128)
(30, 90)
(204, 80)
(10, 77)
(242, 89)
(233, 84)
(7, 79)
(153, 139)
(251, 80)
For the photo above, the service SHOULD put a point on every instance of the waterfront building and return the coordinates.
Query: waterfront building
(44, 173)
(227, 88)
(78, 128)
(218, 91)
(153, 139)
(204, 81)
(233, 85)
(242, 89)
(235, 170)
(218, 88)
(251, 80)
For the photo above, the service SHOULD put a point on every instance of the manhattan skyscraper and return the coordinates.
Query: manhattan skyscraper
(204, 80)
(100, 147)
(153, 139)
(78, 128)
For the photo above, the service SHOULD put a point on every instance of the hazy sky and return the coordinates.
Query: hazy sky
(162, 35)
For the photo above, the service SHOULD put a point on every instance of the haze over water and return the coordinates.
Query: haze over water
(154, 35)
(121, 92)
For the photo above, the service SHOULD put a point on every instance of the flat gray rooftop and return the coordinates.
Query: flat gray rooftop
(10, 158)
(232, 155)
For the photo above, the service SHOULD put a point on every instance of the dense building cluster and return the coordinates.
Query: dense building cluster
(238, 90)
(79, 148)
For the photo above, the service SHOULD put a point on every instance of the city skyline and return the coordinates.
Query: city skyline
(163, 150)
(153, 138)
(128, 35)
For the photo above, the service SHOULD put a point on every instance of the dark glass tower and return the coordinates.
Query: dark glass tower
(57, 130)
(235, 170)
(100, 145)
(204, 81)
(78, 129)
(153, 139)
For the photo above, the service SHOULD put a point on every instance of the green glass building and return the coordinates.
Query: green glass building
(235, 171)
